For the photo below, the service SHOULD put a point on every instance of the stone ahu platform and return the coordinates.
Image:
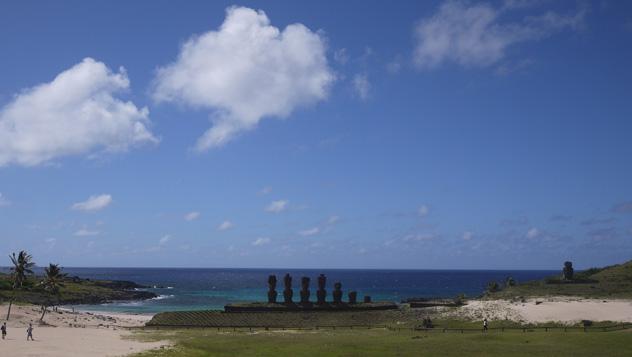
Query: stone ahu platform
(276, 307)
(303, 313)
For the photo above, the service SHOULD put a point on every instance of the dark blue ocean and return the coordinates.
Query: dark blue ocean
(200, 289)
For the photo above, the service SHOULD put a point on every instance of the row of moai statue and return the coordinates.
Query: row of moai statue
(321, 293)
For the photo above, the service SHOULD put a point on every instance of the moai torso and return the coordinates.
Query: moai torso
(272, 294)
(287, 293)
(305, 290)
(321, 294)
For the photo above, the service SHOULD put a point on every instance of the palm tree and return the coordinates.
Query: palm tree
(53, 278)
(21, 269)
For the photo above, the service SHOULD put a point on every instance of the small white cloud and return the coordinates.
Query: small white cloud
(277, 206)
(394, 66)
(361, 85)
(473, 35)
(50, 242)
(85, 232)
(341, 56)
(93, 203)
(423, 211)
(533, 233)
(166, 238)
(264, 191)
(261, 241)
(333, 220)
(226, 225)
(4, 201)
(362, 251)
(245, 71)
(467, 235)
(418, 237)
(76, 113)
(309, 232)
(192, 216)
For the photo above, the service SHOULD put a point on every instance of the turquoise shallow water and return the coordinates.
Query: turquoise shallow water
(201, 289)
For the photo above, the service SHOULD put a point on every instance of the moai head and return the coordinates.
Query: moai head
(287, 281)
(322, 280)
(272, 281)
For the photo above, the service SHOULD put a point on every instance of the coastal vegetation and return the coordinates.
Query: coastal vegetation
(23, 285)
(608, 282)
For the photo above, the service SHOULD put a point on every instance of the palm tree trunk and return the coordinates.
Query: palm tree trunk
(9, 310)
(44, 308)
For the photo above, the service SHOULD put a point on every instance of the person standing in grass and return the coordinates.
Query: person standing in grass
(485, 324)
(4, 330)
(29, 332)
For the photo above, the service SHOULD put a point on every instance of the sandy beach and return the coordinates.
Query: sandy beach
(72, 334)
(552, 309)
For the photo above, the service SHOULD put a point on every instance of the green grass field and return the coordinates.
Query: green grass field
(381, 342)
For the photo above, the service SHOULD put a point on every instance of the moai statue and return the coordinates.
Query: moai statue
(353, 297)
(367, 299)
(304, 290)
(287, 293)
(321, 293)
(567, 272)
(272, 294)
(337, 294)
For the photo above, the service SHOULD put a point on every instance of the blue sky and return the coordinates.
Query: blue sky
(438, 134)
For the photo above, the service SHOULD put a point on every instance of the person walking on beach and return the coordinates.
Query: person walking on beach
(485, 324)
(29, 332)
(4, 330)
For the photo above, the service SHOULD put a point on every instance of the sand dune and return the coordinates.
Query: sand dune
(557, 309)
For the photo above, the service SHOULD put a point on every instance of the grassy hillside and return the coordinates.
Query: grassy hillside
(608, 282)
(75, 291)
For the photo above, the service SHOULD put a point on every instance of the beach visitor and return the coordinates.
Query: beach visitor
(4, 330)
(29, 332)
(485, 324)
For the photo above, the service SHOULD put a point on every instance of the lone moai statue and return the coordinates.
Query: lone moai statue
(337, 294)
(353, 297)
(272, 294)
(304, 290)
(567, 272)
(367, 299)
(321, 293)
(287, 293)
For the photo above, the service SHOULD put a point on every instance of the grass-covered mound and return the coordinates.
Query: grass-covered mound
(74, 291)
(609, 282)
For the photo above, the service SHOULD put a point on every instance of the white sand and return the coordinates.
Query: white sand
(565, 310)
(72, 334)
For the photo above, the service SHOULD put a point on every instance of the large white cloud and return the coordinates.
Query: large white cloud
(76, 113)
(474, 35)
(245, 71)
